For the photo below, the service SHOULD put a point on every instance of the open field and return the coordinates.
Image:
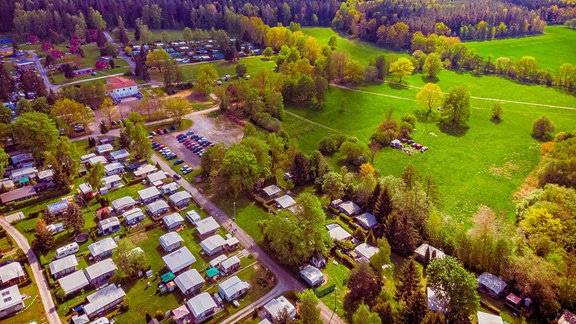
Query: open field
(551, 50)
(157, 34)
(486, 166)
(189, 71)
(359, 50)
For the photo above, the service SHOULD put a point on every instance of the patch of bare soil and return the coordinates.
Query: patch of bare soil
(140, 237)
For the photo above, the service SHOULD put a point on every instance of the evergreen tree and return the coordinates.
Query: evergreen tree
(43, 239)
(372, 200)
(385, 311)
(410, 293)
(365, 286)
(48, 216)
(7, 83)
(300, 169)
(101, 38)
(382, 206)
(401, 233)
(74, 218)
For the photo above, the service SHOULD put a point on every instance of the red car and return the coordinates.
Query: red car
(159, 131)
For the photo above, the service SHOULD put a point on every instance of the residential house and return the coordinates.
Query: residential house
(486, 318)
(179, 260)
(364, 252)
(173, 221)
(232, 288)
(62, 267)
(179, 200)
(10, 301)
(366, 220)
(103, 248)
(133, 217)
(103, 213)
(432, 252)
(434, 303)
(103, 301)
(207, 227)
(193, 216)
(285, 202)
(119, 156)
(567, 317)
(170, 188)
(83, 71)
(11, 273)
(491, 284)
(104, 149)
(156, 179)
(101, 65)
(108, 226)
(231, 242)
(189, 282)
(73, 283)
(158, 208)
(58, 208)
(144, 171)
(23, 173)
(24, 65)
(112, 182)
(270, 192)
(149, 195)
(18, 194)
(22, 159)
(215, 263)
(119, 87)
(85, 190)
(46, 177)
(7, 184)
(312, 275)
(114, 168)
(338, 233)
(213, 245)
(171, 241)
(97, 159)
(275, 308)
(181, 315)
(123, 204)
(85, 158)
(99, 273)
(229, 265)
(349, 208)
(202, 307)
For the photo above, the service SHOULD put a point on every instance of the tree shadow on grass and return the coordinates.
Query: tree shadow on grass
(496, 120)
(397, 86)
(424, 116)
(454, 130)
(429, 79)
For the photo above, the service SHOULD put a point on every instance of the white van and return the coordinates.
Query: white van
(67, 250)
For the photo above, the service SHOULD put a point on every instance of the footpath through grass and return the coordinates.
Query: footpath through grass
(551, 49)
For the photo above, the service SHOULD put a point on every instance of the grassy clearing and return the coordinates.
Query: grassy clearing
(336, 274)
(486, 166)
(253, 65)
(359, 50)
(558, 40)
(173, 35)
(33, 309)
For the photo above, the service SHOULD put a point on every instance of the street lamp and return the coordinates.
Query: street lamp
(234, 218)
(333, 310)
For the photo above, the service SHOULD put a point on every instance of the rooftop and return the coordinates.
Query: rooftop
(118, 83)
(148, 193)
(271, 190)
(232, 286)
(11, 271)
(113, 166)
(180, 195)
(157, 206)
(189, 279)
(63, 264)
(492, 282)
(170, 238)
(104, 148)
(120, 154)
(366, 250)
(229, 262)
(367, 220)
(100, 268)
(10, 297)
(172, 219)
(212, 243)
(312, 274)
(207, 225)
(108, 222)
(102, 246)
(73, 282)
(276, 306)
(350, 207)
(337, 232)
(179, 259)
(486, 318)
(201, 303)
(285, 201)
(124, 201)
(103, 297)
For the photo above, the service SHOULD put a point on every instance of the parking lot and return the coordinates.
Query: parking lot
(214, 129)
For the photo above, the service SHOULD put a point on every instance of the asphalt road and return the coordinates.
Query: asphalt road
(285, 281)
(39, 277)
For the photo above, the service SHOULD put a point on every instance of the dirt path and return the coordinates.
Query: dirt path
(36, 268)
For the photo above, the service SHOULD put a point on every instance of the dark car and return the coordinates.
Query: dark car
(173, 127)
(166, 131)
(178, 162)
(190, 132)
(177, 176)
(159, 131)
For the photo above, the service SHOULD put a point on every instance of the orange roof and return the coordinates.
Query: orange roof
(118, 83)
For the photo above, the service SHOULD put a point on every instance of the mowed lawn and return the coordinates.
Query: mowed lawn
(552, 49)
(253, 65)
(361, 51)
(485, 166)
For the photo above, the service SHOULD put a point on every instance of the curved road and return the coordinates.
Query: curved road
(39, 277)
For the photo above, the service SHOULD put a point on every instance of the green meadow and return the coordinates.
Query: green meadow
(486, 165)
(361, 51)
(552, 49)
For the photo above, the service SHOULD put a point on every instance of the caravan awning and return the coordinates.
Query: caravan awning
(212, 272)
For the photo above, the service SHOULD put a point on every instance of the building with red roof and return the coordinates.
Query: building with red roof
(102, 65)
(119, 87)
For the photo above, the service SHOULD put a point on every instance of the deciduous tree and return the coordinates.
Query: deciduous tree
(65, 161)
(95, 176)
(456, 106)
(36, 132)
(74, 218)
(432, 65)
(205, 79)
(429, 97)
(363, 315)
(129, 259)
(364, 286)
(332, 185)
(43, 239)
(455, 287)
(401, 68)
(309, 311)
(177, 108)
(542, 128)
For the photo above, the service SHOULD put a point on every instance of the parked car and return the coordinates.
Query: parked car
(177, 176)
(173, 127)
(190, 132)
(153, 133)
(178, 162)
(160, 132)
(424, 149)
(166, 131)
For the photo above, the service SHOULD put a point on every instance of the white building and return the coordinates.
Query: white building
(118, 87)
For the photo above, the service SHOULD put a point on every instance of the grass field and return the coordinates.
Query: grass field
(551, 50)
(157, 35)
(486, 166)
(359, 50)
(253, 65)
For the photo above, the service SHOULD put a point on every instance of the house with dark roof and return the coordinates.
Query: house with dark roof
(491, 284)
(434, 303)
(18, 194)
(189, 282)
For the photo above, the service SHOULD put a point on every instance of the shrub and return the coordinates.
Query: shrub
(124, 307)
(328, 145)
(159, 315)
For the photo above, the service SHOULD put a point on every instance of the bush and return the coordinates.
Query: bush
(124, 307)
(266, 121)
(159, 315)
(328, 146)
